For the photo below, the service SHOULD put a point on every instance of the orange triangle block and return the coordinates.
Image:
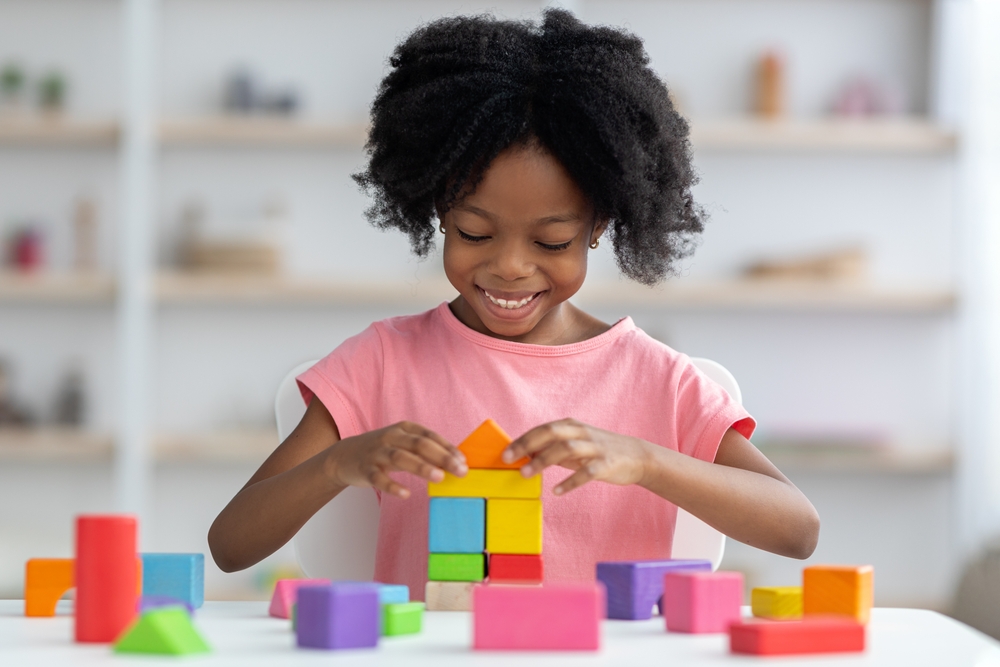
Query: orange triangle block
(483, 447)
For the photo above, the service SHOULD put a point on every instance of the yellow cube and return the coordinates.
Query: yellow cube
(480, 483)
(778, 602)
(513, 526)
(846, 590)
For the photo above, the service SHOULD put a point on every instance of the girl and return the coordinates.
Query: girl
(525, 145)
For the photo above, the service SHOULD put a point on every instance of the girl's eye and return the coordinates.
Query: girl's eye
(556, 246)
(469, 237)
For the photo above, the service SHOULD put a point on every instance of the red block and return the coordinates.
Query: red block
(106, 575)
(516, 568)
(559, 617)
(810, 635)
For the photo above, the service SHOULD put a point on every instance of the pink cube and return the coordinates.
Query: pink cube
(284, 595)
(702, 602)
(560, 617)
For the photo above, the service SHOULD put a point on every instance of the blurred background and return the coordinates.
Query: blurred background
(179, 229)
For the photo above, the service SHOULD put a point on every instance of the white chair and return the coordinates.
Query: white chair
(323, 551)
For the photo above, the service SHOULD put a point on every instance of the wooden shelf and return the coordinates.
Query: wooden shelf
(895, 460)
(58, 288)
(876, 135)
(235, 446)
(261, 132)
(53, 445)
(57, 131)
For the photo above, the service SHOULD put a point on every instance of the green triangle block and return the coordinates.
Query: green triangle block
(166, 631)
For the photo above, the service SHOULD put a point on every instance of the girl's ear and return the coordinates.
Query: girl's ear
(598, 231)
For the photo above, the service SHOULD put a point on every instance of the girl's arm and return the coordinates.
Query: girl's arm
(742, 494)
(309, 469)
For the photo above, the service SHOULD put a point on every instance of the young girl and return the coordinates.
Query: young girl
(525, 145)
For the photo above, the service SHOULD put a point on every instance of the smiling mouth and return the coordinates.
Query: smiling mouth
(510, 304)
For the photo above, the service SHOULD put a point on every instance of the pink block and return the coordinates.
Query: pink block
(528, 618)
(284, 595)
(702, 602)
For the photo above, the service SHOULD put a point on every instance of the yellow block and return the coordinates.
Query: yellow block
(514, 526)
(845, 590)
(487, 484)
(778, 602)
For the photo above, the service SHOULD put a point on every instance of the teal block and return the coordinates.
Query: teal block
(457, 525)
(393, 594)
(180, 576)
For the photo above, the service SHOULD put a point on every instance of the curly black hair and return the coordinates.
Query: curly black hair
(463, 89)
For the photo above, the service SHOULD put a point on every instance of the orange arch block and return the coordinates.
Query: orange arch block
(483, 447)
(45, 581)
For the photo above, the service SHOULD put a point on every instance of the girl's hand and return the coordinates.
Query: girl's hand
(367, 459)
(593, 453)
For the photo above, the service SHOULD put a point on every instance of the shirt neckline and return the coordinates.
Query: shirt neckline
(617, 330)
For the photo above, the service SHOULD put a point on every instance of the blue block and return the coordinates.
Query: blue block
(635, 586)
(393, 593)
(179, 576)
(457, 525)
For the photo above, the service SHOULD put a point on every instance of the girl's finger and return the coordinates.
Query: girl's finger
(585, 474)
(417, 429)
(541, 436)
(395, 458)
(386, 484)
(558, 453)
(432, 452)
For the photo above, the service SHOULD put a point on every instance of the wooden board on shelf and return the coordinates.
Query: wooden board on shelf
(41, 287)
(872, 135)
(233, 446)
(40, 130)
(261, 132)
(53, 445)
(891, 460)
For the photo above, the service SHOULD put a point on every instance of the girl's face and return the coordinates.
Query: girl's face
(516, 248)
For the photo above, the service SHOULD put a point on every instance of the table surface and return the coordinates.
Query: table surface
(241, 633)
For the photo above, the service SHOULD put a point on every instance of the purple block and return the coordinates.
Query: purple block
(338, 615)
(150, 602)
(635, 586)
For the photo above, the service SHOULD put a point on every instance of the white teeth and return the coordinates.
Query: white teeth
(509, 305)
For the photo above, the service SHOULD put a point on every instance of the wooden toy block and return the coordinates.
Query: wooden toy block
(778, 603)
(393, 593)
(516, 568)
(635, 587)
(457, 525)
(484, 446)
(284, 595)
(815, 634)
(701, 602)
(487, 484)
(180, 576)
(513, 526)
(456, 567)
(165, 631)
(404, 618)
(845, 590)
(46, 580)
(561, 617)
(448, 595)
(106, 576)
(150, 602)
(337, 616)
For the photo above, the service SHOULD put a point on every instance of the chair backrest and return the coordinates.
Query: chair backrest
(338, 542)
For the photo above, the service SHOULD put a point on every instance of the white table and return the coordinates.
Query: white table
(242, 634)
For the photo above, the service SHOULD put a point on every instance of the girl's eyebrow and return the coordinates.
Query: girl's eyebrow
(565, 217)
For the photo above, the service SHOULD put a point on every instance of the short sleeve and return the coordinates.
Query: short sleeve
(348, 382)
(705, 411)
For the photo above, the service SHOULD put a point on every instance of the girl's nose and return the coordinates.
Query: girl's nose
(511, 262)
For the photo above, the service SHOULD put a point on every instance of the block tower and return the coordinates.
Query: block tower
(487, 524)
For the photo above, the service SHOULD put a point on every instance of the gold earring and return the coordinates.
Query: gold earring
(597, 242)
(441, 228)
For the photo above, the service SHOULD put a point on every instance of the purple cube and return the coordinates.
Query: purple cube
(150, 602)
(338, 615)
(635, 586)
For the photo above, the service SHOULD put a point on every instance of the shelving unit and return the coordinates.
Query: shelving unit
(40, 131)
(236, 131)
(54, 445)
(56, 288)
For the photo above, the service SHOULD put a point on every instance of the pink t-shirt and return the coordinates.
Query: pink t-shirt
(432, 369)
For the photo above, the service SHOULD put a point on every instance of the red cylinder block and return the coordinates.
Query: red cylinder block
(106, 572)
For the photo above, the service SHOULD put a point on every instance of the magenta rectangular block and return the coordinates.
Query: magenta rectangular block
(554, 617)
(284, 595)
(702, 602)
